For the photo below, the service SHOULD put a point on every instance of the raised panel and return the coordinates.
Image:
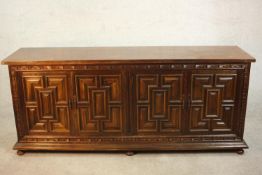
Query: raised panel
(46, 103)
(173, 123)
(159, 102)
(198, 85)
(212, 101)
(113, 84)
(34, 122)
(197, 120)
(99, 101)
(225, 123)
(176, 84)
(85, 122)
(59, 84)
(99, 104)
(83, 84)
(143, 122)
(30, 83)
(228, 84)
(115, 120)
(61, 124)
(32, 115)
(144, 82)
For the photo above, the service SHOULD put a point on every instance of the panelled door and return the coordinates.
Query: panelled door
(100, 102)
(46, 100)
(157, 102)
(212, 99)
(160, 102)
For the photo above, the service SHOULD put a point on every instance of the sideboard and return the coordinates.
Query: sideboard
(130, 99)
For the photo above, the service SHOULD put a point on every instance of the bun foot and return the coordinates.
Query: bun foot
(20, 152)
(130, 153)
(240, 152)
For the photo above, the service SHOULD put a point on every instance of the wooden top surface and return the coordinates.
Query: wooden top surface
(93, 55)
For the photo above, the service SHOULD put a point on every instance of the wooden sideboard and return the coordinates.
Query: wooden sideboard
(130, 98)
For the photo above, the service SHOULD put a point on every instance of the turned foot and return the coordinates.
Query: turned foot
(130, 153)
(240, 152)
(20, 152)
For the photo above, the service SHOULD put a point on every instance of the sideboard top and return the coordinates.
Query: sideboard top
(143, 54)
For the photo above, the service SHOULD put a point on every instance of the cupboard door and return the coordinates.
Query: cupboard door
(213, 100)
(99, 99)
(158, 102)
(46, 102)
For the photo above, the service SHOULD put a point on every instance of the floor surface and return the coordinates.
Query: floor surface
(119, 164)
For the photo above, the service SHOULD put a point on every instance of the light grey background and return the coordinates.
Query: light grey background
(39, 23)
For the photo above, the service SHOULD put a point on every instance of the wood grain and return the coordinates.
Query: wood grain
(90, 55)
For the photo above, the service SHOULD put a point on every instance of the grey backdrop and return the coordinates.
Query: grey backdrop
(33, 23)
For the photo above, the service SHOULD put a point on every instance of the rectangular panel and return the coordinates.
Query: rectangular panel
(197, 121)
(226, 122)
(175, 83)
(173, 124)
(46, 104)
(83, 84)
(30, 83)
(61, 124)
(213, 102)
(211, 91)
(34, 123)
(144, 82)
(46, 101)
(115, 123)
(159, 101)
(99, 106)
(85, 122)
(99, 101)
(228, 84)
(159, 104)
(198, 83)
(143, 122)
(59, 84)
(114, 83)
(32, 116)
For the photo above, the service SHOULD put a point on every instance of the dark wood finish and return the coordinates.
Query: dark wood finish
(130, 98)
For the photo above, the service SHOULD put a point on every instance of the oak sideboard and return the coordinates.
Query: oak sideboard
(130, 99)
